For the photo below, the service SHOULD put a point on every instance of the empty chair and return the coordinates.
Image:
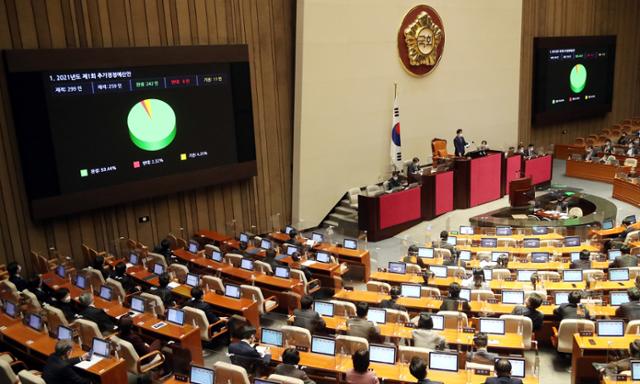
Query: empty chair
(471, 365)
(353, 197)
(343, 308)
(156, 258)
(548, 275)
(397, 316)
(451, 319)
(137, 364)
(350, 344)
(501, 274)
(550, 243)
(631, 162)
(541, 292)
(118, 291)
(519, 325)
(55, 317)
(378, 286)
(482, 294)
(95, 278)
(209, 248)
(284, 379)
(230, 373)
(455, 271)
(484, 256)
(213, 283)
(633, 272)
(198, 318)
(406, 353)
(254, 293)
(562, 338)
(374, 190)
(592, 274)
(156, 303)
(29, 377)
(233, 259)
(178, 271)
(6, 373)
(310, 287)
(442, 253)
(262, 267)
(8, 291)
(506, 242)
(31, 300)
(429, 291)
(575, 212)
(413, 268)
(633, 327)
(87, 330)
(297, 336)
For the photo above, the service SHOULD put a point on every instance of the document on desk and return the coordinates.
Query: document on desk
(89, 363)
(308, 263)
(173, 285)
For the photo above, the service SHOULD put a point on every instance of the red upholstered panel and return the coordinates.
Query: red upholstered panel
(399, 207)
(444, 192)
(514, 167)
(538, 169)
(485, 179)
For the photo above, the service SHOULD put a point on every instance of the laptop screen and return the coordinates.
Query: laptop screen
(513, 297)
(607, 224)
(572, 241)
(382, 354)
(492, 326)
(452, 240)
(610, 328)
(158, 269)
(631, 219)
(231, 290)
(466, 230)
(137, 304)
(488, 274)
(64, 333)
(525, 274)
(271, 337)
(438, 322)
(288, 229)
(438, 270)
(350, 244)
(324, 308)
(282, 272)
(571, 275)
(60, 271)
(465, 293)
(291, 249)
(244, 237)
(490, 242)
(10, 309)
(216, 256)
(175, 316)
(442, 361)
(323, 257)
(561, 297)
(133, 258)
(317, 237)
(496, 255)
(517, 367)
(377, 315)
(464, 255)
(425, 252)
(323, 345)
(193, 280)
(575, 256)
(618, 274)
(81, 282)
(504, 231)
(531, 243)
(193, 247)
(106, 293)
(410, 290)
(200, 375)
(540, 230)
(617, 298)
(613, 253)
(100, 347)
(265, 244)
(395, 267)
(247, 264)
(539, 257)
(35, 322)
(635, 370)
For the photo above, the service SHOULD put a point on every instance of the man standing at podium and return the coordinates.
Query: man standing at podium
(459, 143)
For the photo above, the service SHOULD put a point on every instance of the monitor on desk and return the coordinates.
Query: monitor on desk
(64, 333)
(631, 219)
(492, 326)
(524, 274)
(613, 253)
(233, 291)
(246, 264)
(324, 308)
(607, 224)
(288, 229)
(438, 322)
(610, 328)
(561, 297)
(271, 337)
(616, 298)
(323, 345)
(100, 347)
(496, 255)
(452, 240)
(443, 361)
(489, 242)
(133, 258)
(397, 267)
(137, 304)
(635, 370)
(244, 238)
(531, 243)
(80, 281)
(438, 270)
(377, 315)
(350, 244)
(410, 290)
(291, 249)
(539, 257)
(216, 256)
(10, 308)
(512, 297)
(158, 269)
(571, 276)
(575, 256)
(504, 231)
(382, 354)
(323, 257)
(464, 255)
(572, 241)
(35, 322)
(106, 293)
(618, 274)
(466, 230)
(540, 230)
(201, 375)
(517, 366)
(193, 246)
(175, 316)
(488, 274)
(425, 252)
(465, 293)
(192, 280)
(60, 271)
(282, 272)
(317, 237)
(265, 244)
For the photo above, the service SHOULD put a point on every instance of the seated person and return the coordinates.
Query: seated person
(35, 286)
(289, 366)
(359, 326)
(570, 310)
(590, 153)
(59, 366)
(628, 228)
(631, 310)
(607, 148)
(530, 151)
(483, 148)
(414, 167)
(503, 371)
(165, 250)
(412, 255)
(125, 327)
(97, 315)
(454, 302)
(98, 265)
(631, 150)
(424, 336)
(120, 274)
(625, 260)
(530, 310)
(197, 302)
(270, 258)
(62, 301)
(297, 258)
(294, 239)
(481, 355)
(584, 262)
(360, 373)
(624, 364)
(442, 243)
(418, 369)
(163, 291)
(394, 181)
(243, 351)
(391, 302)
(306, 317)
(14, 270)
(476, 281)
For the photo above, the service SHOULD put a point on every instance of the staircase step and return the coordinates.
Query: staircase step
(330, 223)
(346, 211)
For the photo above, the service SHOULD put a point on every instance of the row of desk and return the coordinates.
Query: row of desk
(594, 171)
(627, 190)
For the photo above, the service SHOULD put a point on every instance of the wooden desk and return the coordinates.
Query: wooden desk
(552, 265)
(585, 353)
(517, 237)
(396, 278)
(358, 257)
(213, 235)
(244, 307)
(524, 251)
(593, 171)
(626, 191)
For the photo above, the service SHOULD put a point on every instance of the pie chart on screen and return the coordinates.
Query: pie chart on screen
(152, 124)
(578, 78)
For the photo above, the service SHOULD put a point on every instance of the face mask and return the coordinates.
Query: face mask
(66, 299)
(395, 177)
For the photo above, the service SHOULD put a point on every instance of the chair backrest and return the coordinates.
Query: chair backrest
(55, 317)
(32, 299)
(633, 272)
(630, 162)
(253, 293)
(405, 353)
(95, 277)
(413, 268)
(633, 327)
(575, 212)
(28, 377)
(378, 286)
(397, 316)
(6, 373)
(213, 283)
(632, 236)
(9, 291)
(117, 288)
(442, 253)
(470, 365)
(451, 319)
(501, 274)
(127, 352)
(262, 267)
(285, 379)
(233, 259)
(548, 275)
(343, 308)
(156, 303)
(482, 294)
(439, 148)
(209, 248)
(297, 336)
(198, 318)
(350, 344)
(454, 271)
(514, 322)
(374, 190)
(230, 373)
(429, 291)
(566, 330)
(87, 330)
(178, 271)
(592, 274)
(298, 274)
(506, 242)
(484, 256)
(353, 195)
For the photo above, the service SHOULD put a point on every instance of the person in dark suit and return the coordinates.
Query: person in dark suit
(165, 250)
(197, 302)
(97, 315)
(454, 302)
(442, 243)
(530, 151)
(359, 326)
(584, 262)
(414, 167)
(120, 274)
(418, 369)
(503, 371)
(125, 325)
(570, 310)
(59, 367)
(394, 182)
(14, 270)
(625, 260)
(624, 364)
(289, 366)
(590, 153)
(459, 143)
(391, 302)
(163, 291)
(243, 351)
(306, 317)
(481, 355)
(98, 265)
(607, 148)
(270, 258)
(62, 301)
(631, 310)
(530, 310)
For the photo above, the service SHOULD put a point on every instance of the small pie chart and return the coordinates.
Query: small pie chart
(578, 78)
(152, 124)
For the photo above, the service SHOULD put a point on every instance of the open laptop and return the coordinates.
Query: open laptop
(488, 274)
(438, 322)
(291, 249)
(192, 280)
(465, 293)
(282, 272)
(452, 240)
(635, 370)
(323, 257)
(512, 297)
(517, 366)
(233, 291)
(175, 316)
(618, 274)
(630, 218)
(466, 230)
(106, 293)
(425, 252)
(616, 298)
(323, 345)
(571, 276)
(489, 242)
(524, 274)
(158, 269)
(288, 229)
(324, 308)
(492, 326)
(201, 375)
(265, 244)
(575, 256)
(397, 267)
(561, 297)
(377, 315)
(35, 322)
(438, 270)
(382, 354)
(531, 243)
(613, 253)
(607, 224)
(137, 305)
(246, 264)
(64, 333)
(216, 256)
(610, 328)
(464, 255)
(80, 282)
(10, 308)
(572, 241)
(60, 271)
(244, 238)
(133, 258)
(99, 347)
(496, 255)
(193, 246)
(271, 337)
(540, 230)
(443, 361)
(350, 244)
(410, 290)
(504, 231)
(317, 237)
(540, 257)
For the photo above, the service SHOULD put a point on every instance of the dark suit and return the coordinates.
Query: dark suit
(66, 308)
(19, 282)
(536, 316)
(127, 282)
(164, 294)
(136, 341)
(99, 317)
(391, 304)
(589, 155)
(292, 371)
(273, 263)
(459, 145)
(362, 328)
(246, 356)
(580, 264)
(625, 261)
(629, 311)
(59, 371)
(454, 253)
(394, 183)
(529, 152)
(413, 168)
(568, 311)
(502, 380)
(205, 307)
(482, 356)
(450, 304)
(309, 319)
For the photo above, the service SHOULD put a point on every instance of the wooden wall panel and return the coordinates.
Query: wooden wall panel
(543, 18)
(265, 25)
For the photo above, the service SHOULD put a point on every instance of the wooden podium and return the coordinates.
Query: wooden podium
(521, 192)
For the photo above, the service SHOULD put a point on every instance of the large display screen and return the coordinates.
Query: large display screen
(573, 77)
(104, 126)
